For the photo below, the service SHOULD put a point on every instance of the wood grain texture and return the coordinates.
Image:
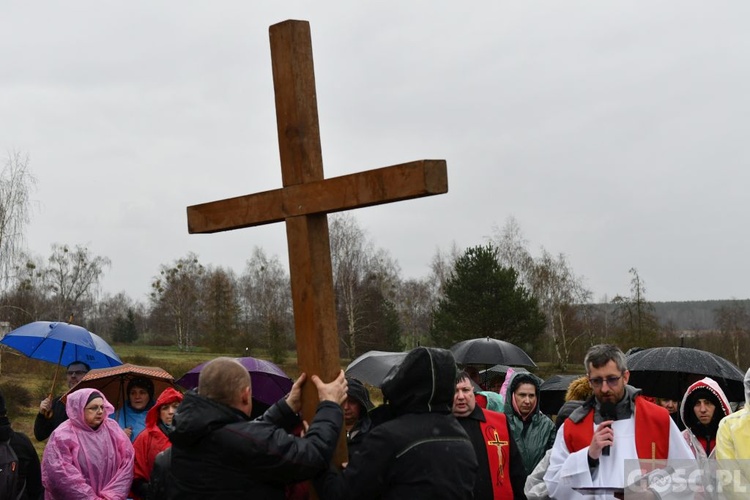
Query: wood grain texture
(304, 202)
(372, 187)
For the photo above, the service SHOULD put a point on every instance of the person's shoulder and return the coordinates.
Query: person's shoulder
(114, 429)
(649, 405)
(736, 418)
(542, 419)
(64, 433)
(578, 414)
(65, 427)
(19, 437)
(493, 415)
(408, 423)
(20, 440)
(144, 437)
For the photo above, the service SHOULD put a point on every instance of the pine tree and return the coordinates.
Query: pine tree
(482, 298)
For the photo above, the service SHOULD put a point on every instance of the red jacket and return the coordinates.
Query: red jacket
(152, 440)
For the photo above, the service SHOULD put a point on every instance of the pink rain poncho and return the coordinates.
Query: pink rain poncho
(81, 462)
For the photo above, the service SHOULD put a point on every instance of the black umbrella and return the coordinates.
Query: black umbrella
(373, 366)
(501, 370)
(552, 393)
(498, 372)
(667, 372)
(489, 351)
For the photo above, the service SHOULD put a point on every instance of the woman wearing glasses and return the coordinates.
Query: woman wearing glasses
(88, 455)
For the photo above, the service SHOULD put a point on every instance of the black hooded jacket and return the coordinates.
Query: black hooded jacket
(354, 436)
(218, 453)
(417, 450)
(29, 470)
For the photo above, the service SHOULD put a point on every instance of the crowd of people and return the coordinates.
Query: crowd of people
(437, 435)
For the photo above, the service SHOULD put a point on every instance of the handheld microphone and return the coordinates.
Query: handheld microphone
(609, 412)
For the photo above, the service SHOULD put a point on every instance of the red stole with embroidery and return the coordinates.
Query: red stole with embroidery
(497, 444)
(651, 431)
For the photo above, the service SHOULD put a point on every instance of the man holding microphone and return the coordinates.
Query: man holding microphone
(614, 425)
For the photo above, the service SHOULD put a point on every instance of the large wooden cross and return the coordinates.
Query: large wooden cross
(306, 199)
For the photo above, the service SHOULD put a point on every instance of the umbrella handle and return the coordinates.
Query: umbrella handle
(48, 413)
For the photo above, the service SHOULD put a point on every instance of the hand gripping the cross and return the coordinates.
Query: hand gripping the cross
(334, 391)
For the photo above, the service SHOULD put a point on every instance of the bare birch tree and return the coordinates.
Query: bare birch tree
(177, 291)
(361, 275)
(73, 277)
(267, 302)
(349, 255)
(562, 294)
(16, 183)
(562, 297)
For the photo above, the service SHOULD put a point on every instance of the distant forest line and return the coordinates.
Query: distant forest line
(692, 315)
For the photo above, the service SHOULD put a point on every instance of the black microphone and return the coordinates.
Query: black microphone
(608, 411)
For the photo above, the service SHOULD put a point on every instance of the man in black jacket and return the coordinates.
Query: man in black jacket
(44, 424)
(219, 453)
(416, 449)
(501, 473)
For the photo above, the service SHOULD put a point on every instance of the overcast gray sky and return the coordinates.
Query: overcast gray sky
(614, 132)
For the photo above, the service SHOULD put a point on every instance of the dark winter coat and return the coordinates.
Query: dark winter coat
(483, 486)
(218, 453)
(416, 448)
(354, 437)
(29, 469)
(44, 426)
(535, 435)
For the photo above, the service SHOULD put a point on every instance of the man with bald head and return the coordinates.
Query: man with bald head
(218, 452)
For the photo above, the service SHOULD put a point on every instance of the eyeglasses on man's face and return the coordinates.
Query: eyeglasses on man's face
(72, 373)
(611, 380)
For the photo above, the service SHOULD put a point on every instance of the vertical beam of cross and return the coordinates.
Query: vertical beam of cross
(305, 200)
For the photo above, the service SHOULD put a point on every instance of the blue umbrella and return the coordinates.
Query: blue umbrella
(61, 343)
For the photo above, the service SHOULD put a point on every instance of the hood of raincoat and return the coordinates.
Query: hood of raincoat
(424, 382)
(199, 416)
(167, 397)
(358, 392)
(704, 388)
(494, 400)
(517, 379)
(75, 407)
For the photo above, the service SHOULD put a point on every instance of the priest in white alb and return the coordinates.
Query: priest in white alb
(615, 425)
